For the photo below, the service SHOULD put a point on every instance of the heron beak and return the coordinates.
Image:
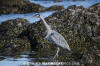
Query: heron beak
(33, 16)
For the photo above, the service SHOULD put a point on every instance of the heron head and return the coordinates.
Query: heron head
(36, 15)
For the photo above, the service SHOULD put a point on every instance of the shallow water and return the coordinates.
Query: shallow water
(66, 3)
(26, 16)
(26, 57)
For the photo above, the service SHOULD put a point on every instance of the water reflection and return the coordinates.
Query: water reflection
(25, 57)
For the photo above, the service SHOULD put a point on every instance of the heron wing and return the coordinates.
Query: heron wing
(57, 39)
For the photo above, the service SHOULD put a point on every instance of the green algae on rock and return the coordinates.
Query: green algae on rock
(12, 28)
(55, 8)
(19, 6)
(22, 6)
(11, 34)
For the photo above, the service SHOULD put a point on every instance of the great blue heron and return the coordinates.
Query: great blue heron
(54, 37)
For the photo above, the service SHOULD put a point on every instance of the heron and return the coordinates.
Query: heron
(54, 37)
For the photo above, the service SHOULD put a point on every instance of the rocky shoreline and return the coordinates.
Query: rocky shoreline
(21, 7)
(80, 27)
(25, 7)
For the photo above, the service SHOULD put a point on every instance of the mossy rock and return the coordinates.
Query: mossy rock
(14, 44)
(13, 28)
(20, 6)
(55, 8)
(13, 35)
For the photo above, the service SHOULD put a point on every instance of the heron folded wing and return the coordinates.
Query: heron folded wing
(58, 39)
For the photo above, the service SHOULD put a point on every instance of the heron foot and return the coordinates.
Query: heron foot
(56, 55)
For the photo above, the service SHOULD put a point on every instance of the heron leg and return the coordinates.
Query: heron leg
(56, 55)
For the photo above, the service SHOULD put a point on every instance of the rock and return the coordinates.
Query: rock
(20, 6)
(13, 28)
(32, 7)
(13, 35)
(75, 7)
(55, 8)
(94, 8)
(13, 44)
(78, 25)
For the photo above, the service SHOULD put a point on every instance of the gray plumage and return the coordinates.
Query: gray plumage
(58, 40)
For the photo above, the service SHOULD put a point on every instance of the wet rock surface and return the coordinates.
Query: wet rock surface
(22, 6)
(19, 6)
(11, 33)
(79, 26)
(55, 8)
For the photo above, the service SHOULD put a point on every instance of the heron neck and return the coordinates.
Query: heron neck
(45, 24)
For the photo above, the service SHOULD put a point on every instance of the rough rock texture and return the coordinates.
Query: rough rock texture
(79, 26)
(19, 6)
(13, 35)
(22, 6)
(55, 8)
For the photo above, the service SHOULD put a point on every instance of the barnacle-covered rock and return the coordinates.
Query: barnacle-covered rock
(13, 35)
(19, 6)
(11, 44)
(55, 8)
(13, 28)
